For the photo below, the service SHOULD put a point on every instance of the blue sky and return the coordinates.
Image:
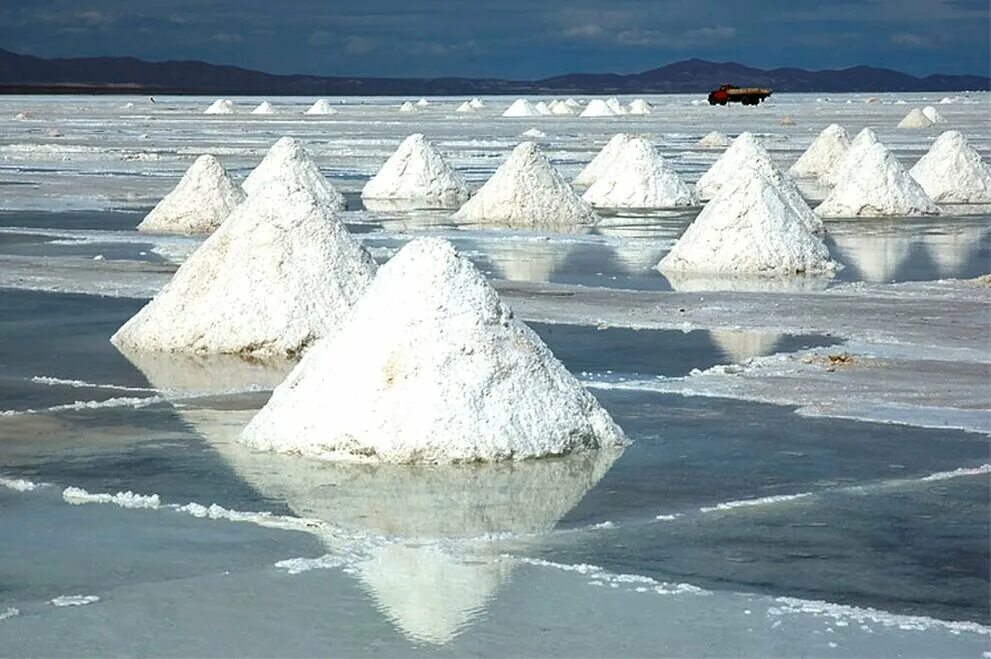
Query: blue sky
(508, 38)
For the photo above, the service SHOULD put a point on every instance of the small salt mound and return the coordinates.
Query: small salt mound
(22, 116)
(449, 375)
(638, 177)
(822, 155)
(407, 106)
(521, 108)
(616, 107)
(572, 103)
(279, 273)
(321, 106)
(946, 100)
(953, 171)
(786, 121)
(597, 108)
(864, 139)
(715, 139)
(418, 172)
(639, 106)
(423, 103)
(476, 103)
(749, 227)
(877, 186)
(745, 149)
(915, 119)
(129, 106)
(933, 115)
(263, 108)
(287, 161)
(466, 107)
(220, 106)
(202, 200)
(600, 163)
(543, 108)
(561, 108)
(533, 132)
(526, 191)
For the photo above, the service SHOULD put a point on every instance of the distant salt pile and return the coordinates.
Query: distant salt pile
(220, 106)
(864, 139)
(279, 273)
(616, 107)
(288, 162)
(521, 108)
(407, 106)
(638, 177)
(715, 139)
(933, 115)
(946, 100)
(744, 149)
(638, 106)
(823, 154)
(572, 103)
(915, 119)
(748, 228)
(786, 121)
(953, 171)
(263, 108)
(423, 103)
(533, 133)
(543, 108)
(467, 108)
(562, 108)
(600, 163)
(418, 172)
(449, 375)
(476, 103)
(202, 200)
(876, 186)
(129, 106)
(321, 106)
(526, 191)
(597, 108)
(53, 132)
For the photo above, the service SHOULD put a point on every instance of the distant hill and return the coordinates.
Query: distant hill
(28, 74)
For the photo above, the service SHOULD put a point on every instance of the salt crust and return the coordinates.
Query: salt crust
(639, 177)
(449, 375)
(953, 171)
(824, 152)
(287, 162)
(603, 159)
(418, 172)
(202, 199)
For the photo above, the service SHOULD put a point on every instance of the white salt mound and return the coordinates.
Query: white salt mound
(203, 198)
(534, 133)
(600, 163)
(953, 171)
(915, 119)
(288, 162)
(466, 107)
(638, 177)
(877, 186)
(933, 115)
(744, 149)
(864, 139)
(423, 103)
(715, 139)
(220, 106)
(597, 108)
(407, 106)
(418, 172)
(476, 103)
(749, 227)
(572, 103)
(264, 108)
(521, 108)
(526, 191)
(823, 154)
(450, 375)
(279, 273)
(616, 107)
(562, 108)
(786, 121)
(543, 108)
(639, 106)
(321, 106)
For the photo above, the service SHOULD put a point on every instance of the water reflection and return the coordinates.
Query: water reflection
(740, 346)
(953, 248)
(692, 282)
(877, 256)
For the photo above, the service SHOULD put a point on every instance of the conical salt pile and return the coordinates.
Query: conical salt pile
(616, 107)
(476, 103)
(521, 108)
(822, 155)
(287, 161)
(639, 106)
(953, 172)
(749, 227)
(526, 191)
(715, 139)
(418, 172)
(220, 106)
(572, 103)
(745, 149)
(423, 103)
(600, 163)
(264, 108)
(407, 106)
(877, 186)
(466, 107)
(915, 119)
(204, 197)
(533, 133)
(863, 140)
(543, 108)
(278, 274)
(321, 106)
(786, 121)
(562, 108)
(639, 177)
(933, 115)
(597, 108)
(449, 375)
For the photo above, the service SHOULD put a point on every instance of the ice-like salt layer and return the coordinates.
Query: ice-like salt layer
(749, 227)
(418, 172)
(289, 163)
(220, 106)
(864, 139)
(824, 152)
(638, 106)
(19, 484)
(526, 191)
(752, 503)
(300, 565)
(933, 115)
(90, 405)
(744, 151)
(638, 177)
(278, 274)
(448, 376)
(264, 108)
(603, 159)
(715, 139)
(915, 119)
(877, 186)
(953, 171)
(74, 600)
(543, 108)
(521, 107)
(203, 198)
(597, 108)
(78, 496)
(321, 106)
(407, 106)
(9, 612)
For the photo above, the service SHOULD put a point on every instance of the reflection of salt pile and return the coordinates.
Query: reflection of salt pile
(639, 177)
(449, 375)
(598, 108)
(824, 152)
(526, 191)
(933, 115)
(878, 256)
(537, 263)
(287, 162)
(951, 251)
(185, 375)
(715, 139)
(639, 106)
(407, 106)
(220, 106)
(521, 108)
(742, 346)
(543, 108)
(915, 119)
(263, 108)
(279, 273)
(953, 171)
(877, 185)
(321, 106)
(204, 197)
(749, 227)
(603, 159)
(695, 282)
(854, 153)
(418, 172)
(744, 150)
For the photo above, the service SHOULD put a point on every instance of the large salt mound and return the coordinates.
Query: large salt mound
(877, 186)
(278, 274)
(933, 115)
(476, 103)
(447, 376)
(640, 107)
(639, 177)
(287, 161)
(561, 108)
(321, 106)
(572, 103)
(715, 139)
(749, 227)
(407, 106)
(418, 172)
(466, 107)
(744, 150)
(597, 108)
(264, 108)
(204, 197)
(526, 191)
(863, 140)
(220, 106)
(613, 104)
(521, 108)
(915, 119)
(600, 163)
(824, 152)
(953, 171)
(543, 108)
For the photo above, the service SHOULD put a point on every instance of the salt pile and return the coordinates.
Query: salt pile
(22, 116)
(418, 172)
(864, 139)
(953, 171)
(534, 133)
(204, 197)
(407, 106)
(423, 103)
(572, 103)
(526, 191)
(876, 186)
(263, 108)
(476, 103)
(745, 149)
(521, 108)
(562, 108)
(933, 115)
(614, 105)
(279, 273)
(639, 106)
(447, 376)
(287, 161)
(824, 153)
(786, 121)
(600, 163)
(466, 107)
(749, 227)
(543, 108)
(220, 106)
(597, 108)
(715, 139)
(638, 177)
(321, 106)
(915, 119)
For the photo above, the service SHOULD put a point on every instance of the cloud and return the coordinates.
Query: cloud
(321, 38)
(359, 45)
(704, 36)
(910, 40)
(95, 17)
(227, 37)
(587, 31)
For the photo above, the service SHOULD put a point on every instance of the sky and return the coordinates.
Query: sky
(521, 39)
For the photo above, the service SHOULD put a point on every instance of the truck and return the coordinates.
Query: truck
(732, 94)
